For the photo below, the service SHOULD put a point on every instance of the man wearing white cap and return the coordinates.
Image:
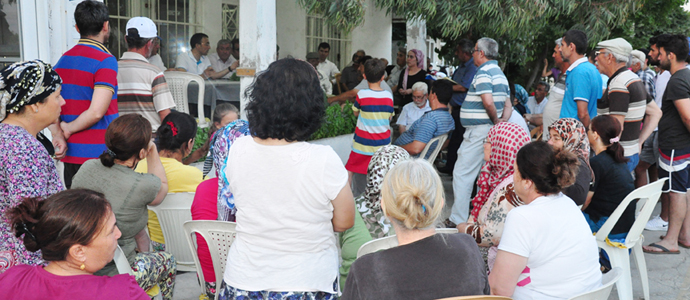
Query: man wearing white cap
(143, 89)
(625, 98)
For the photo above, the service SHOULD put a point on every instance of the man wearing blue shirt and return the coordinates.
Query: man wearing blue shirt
(463, 77)
(583, 86)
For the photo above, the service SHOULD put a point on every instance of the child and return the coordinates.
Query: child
(224, 114)
(374, 108)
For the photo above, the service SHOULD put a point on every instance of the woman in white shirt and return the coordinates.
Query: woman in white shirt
(291, 196)
(547, 250)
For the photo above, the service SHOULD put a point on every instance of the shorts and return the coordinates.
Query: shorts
(650, 149)
(675, 164)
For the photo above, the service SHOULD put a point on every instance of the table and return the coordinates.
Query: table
(215, 90)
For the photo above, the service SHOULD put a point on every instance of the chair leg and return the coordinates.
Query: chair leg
(620, 258)
(642, 268)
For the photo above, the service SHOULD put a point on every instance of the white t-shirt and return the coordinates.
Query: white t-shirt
(516, 118)
(563, 258)
(328, 69)
(157, 61)
(411, 112)
(283, 194)
(218, 65)
(187, 61)
(534, 107)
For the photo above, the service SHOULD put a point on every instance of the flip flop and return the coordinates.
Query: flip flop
(679, 243)
(662, 248)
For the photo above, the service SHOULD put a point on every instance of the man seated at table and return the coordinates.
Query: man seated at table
(196, 61)
(222, 60)
(142, 86)
(351, 94)
(414, 110)
(155, 58)
(432, 124)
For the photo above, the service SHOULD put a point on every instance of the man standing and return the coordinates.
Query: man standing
(155, 58)
(313, 59)
(222, 60)
(552, 109)
(89, 86)
(484, 106)
(327, 68)
(463, 77)
(583, 84)
(674, 143)
(625, 98)
(350, 76)
(143, 89)
(397, 68)
(639, 67)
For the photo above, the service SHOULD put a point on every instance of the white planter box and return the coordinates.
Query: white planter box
(342, 145)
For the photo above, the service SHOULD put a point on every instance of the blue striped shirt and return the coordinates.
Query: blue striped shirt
(488, 80)
(432, 124)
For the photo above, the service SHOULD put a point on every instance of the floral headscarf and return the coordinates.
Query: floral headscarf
(574, 136)
(506, 139)
(220, 146)
(420, 64)
(383, 160)
(25, 83)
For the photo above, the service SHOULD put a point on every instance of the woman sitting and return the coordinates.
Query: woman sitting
(290, 195)
(495, 194)
(29, 101)
(425, 265)
(612, 179)
(223, 115)
(571, 135)
(129, 193)
(547, 250)
(175, 141)
(76, 234)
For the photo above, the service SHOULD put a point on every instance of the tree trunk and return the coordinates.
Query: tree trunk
(537, 69)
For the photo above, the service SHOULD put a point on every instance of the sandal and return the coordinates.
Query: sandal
(663, 249)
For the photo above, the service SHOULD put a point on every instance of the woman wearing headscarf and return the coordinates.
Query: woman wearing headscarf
(571, 135)
(29, 102)
(495, 196)
(520, 97)
(413, 73)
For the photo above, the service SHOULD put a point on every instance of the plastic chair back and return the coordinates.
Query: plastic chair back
(172, 213)
(390, 242)
(219, 236)
(439, 140)
(178, 83)
(602, 293)
(478, 297)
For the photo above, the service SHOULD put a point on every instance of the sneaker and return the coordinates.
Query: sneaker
(657, 224)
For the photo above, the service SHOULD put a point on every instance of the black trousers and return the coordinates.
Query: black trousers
(70, 171)
(455, 139)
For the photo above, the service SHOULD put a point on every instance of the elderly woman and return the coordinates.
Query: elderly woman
(414, 110)
(29, 101)
(76, 234)
(425, 265)
(413, 73)
(571, 135)
(291, 196)
(547, 250)
(496, 193)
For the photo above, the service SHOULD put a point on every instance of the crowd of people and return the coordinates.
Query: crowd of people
(548, 170)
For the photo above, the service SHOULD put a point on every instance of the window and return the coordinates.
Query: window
(230, 28)
(10, 49)
(318, 31)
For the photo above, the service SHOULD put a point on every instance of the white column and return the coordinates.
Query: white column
(416, 35)
(374, 35)
(257, 42)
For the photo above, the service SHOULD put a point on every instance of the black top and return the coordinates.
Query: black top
(612, 183)
(672, 132)
(578, 191)
(411, 80)
(440, 266)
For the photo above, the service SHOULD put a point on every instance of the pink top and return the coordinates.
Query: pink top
(205, 207)
(34, 283)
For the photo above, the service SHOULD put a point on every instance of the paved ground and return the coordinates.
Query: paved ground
(669, 275)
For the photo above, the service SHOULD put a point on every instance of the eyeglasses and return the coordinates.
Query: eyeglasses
(474, 50)
(596, 53)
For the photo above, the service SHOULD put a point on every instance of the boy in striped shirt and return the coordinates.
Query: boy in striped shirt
(374, 108)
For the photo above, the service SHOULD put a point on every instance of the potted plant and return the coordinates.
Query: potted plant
(337, 130)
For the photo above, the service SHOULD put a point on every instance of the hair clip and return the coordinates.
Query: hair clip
(172, 127)
(615, 140)
(27, 232)
(110, 152)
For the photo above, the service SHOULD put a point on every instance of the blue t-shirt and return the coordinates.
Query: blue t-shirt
(432, 124)
(582, 83)
(463, 76)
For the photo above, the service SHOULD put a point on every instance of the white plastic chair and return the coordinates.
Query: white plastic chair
(123, 267)
(439, 140)
(172, 213)
(178, 83)
(648, 196)
(390, 242)
(602, 293)
(218, 235)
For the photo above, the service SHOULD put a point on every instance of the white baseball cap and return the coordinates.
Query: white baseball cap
(145, 27)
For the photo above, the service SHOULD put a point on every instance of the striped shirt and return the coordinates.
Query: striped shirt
(432, 124)
(489, 79)
(553, 107)
(85, 67)
(373, 127)
(142, 88)
(626, 95)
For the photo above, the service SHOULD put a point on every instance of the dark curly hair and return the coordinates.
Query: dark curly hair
(551, 171)
(286, 101)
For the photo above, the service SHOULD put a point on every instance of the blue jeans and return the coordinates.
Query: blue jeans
(633, 160)
(595, 226)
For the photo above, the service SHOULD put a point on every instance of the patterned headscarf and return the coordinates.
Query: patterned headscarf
(506, 139)
(222, 140)
(25, 83)
(574, 136)
(383, 160)
(420, 64)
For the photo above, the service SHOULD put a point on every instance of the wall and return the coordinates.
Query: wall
(211, 20)
(291, 23)
(374, 35)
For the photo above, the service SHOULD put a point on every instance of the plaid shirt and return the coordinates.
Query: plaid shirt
(647, 76)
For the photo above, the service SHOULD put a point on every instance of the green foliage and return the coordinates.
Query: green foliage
(337, 121)
(201, 138)
(655, 17)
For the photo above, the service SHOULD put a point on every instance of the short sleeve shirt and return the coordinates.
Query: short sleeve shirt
(672, 132)
(583, 83)
(463, 76)
(489, 79)
(411, 113)
(328, 69)
(218, 65)
(432, 124)
(187, 61)
(534, 107)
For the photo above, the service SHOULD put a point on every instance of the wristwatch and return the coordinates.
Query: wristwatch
(230, 68)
